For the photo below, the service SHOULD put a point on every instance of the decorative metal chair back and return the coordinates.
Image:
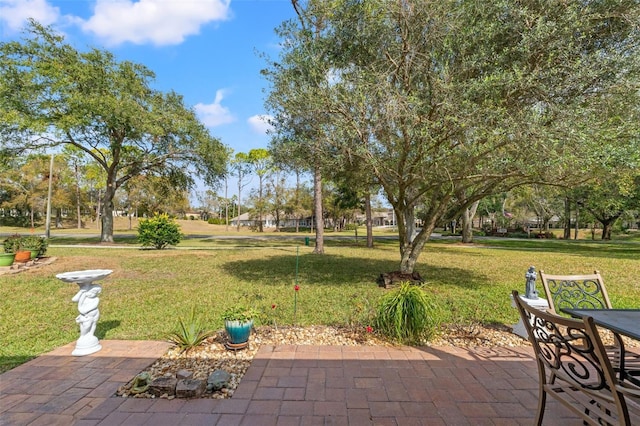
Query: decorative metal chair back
(573, 366)
(575, 291)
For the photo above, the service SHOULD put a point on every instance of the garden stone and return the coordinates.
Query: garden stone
(163, 385)
(184, 375)
(190, 388)
(217, 380)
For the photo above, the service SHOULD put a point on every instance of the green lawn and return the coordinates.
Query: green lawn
(150, 289)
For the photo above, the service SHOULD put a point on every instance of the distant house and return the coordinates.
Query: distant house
(269, 221)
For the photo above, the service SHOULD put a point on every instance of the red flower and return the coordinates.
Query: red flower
(369, 329)
(273, 306)
(296, 287)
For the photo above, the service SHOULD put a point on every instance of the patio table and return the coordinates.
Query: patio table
(621, 321)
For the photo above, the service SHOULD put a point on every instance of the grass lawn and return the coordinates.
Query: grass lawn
(150, 289)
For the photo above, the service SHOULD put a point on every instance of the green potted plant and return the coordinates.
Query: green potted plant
(14, 244)
(238, 321)
(35, 244)
(6, 259)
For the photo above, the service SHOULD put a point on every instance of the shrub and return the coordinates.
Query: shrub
(189, 334)
(159, 232)
(406, 314)
(34, 242)
(238, 313)
(12, 243)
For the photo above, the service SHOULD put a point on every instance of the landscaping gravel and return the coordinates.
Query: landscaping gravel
(213, 355)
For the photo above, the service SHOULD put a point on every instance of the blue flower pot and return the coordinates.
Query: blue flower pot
(238, 331)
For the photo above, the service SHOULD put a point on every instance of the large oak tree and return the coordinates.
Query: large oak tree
(52, 94)
(448, 102)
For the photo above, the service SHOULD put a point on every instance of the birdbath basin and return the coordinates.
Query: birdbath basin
(88, 300)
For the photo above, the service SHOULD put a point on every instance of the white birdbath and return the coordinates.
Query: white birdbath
(88, 300)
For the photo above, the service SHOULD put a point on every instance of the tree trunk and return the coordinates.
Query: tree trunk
(239, 190)
(411, 252)
(226, 203)
(467, 222)
(368, 219)
(98, 210)
(607, 227)
(567, 218)
(410, 246)
(404, 220)
(106, 233)
(297, 201)
(317, 207)
(577, 228)
(78, 196)
(260, 226)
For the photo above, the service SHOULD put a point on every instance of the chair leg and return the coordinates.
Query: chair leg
(542, 399)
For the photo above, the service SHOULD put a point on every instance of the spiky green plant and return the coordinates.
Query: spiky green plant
(189, 334)
(406, 314)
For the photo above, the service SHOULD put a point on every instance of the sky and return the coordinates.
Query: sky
(206, 50)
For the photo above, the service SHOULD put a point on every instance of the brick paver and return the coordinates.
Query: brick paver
(289, 385)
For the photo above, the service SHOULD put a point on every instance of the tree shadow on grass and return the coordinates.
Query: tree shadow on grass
(9, 362)
(330, 269)
(104, 326)
(602, 249)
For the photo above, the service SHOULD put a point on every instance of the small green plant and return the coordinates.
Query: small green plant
(159, 232)
(189, 334)
(238, 313)
(34, 242)
(406, 314)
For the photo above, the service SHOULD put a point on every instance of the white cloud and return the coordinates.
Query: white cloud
(214, 114)
(14, 13)
(159, 22)
(260, 123)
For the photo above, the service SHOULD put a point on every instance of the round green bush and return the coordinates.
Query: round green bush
(159, 231)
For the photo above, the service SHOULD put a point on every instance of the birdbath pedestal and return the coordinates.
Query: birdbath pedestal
(88, 300)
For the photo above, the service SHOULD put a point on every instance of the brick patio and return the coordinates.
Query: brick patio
(289, 385)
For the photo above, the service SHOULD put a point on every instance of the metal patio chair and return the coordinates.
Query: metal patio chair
(589, 292)
(574, 368)
(575, 291)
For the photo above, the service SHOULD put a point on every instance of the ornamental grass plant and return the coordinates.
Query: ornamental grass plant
(407, 315)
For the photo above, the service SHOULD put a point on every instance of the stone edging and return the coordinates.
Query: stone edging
(32, 264)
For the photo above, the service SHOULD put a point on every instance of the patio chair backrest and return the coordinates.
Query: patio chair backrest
(573, 366)
(575, 291)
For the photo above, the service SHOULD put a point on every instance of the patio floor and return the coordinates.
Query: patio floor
(289, 385)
